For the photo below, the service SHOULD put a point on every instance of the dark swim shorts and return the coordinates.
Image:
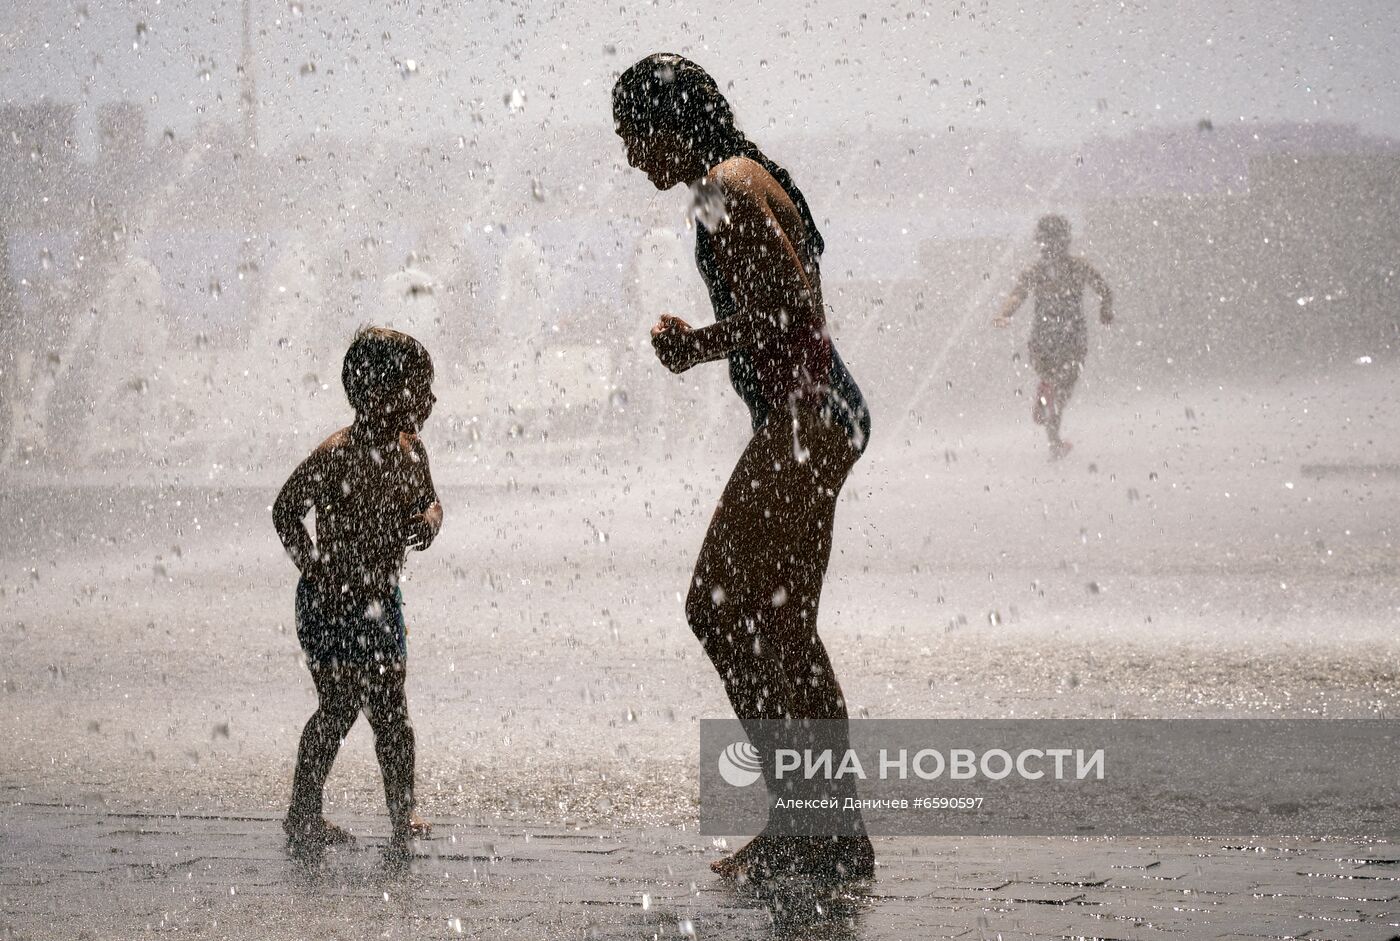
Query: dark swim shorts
(362, 631)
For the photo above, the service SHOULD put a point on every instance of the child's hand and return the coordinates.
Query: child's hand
(423, 527)
(671, 340)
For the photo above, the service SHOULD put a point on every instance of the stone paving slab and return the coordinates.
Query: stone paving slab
(84, 872)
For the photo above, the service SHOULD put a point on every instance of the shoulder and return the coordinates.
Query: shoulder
(338, 441)
(744, 180)
(320, 466)
(331, 450)
(411, 446)
(753, 199)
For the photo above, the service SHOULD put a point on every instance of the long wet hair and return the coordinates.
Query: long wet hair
(668, 92)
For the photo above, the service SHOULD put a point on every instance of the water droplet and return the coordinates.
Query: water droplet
(537, 190)
(295, 8)
(141, 31)
(515, 101)
(407, 68)
(707, 205)
(646, 901)
(45, 259)
(216, 289)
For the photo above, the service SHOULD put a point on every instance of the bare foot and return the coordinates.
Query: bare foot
(418, 828)
(839, 859)
(398, 852)
(732, 865)
(776, 857)
(319, 832)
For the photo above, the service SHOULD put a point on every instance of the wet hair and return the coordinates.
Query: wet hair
(668, 92)
(379, 364)
(1052, 231)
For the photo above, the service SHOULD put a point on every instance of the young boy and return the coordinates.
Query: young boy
(374, 499)
(1059, 338)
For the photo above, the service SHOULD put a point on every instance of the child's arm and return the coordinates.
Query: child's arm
(1018, 297)
(1102, 289)
(298, 495)
(424, 525)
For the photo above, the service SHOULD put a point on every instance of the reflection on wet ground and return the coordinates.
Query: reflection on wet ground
(93, 872)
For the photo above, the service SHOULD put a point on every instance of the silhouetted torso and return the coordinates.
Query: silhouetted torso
(363, 512)
(812, 350)
(1059, 329)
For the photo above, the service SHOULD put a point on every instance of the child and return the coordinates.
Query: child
(1059, 339)
(374, 499)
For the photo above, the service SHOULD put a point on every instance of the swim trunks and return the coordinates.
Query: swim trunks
(360, 631)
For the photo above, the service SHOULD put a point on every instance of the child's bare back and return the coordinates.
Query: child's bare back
(373, 502)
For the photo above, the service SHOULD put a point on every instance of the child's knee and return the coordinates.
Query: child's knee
(342, 711)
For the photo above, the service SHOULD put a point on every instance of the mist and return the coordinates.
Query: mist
(201, 205)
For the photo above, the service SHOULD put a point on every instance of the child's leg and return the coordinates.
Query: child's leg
(341, 695)
(394, 743)
(1044, 395)
(1061, 388)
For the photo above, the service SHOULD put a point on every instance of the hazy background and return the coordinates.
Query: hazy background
(248, 182)
(186, 249)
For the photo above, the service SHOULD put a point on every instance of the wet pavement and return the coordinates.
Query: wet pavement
(151, 667)
(89, 872)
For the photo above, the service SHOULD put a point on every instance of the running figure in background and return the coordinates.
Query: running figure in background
(1059, 336)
